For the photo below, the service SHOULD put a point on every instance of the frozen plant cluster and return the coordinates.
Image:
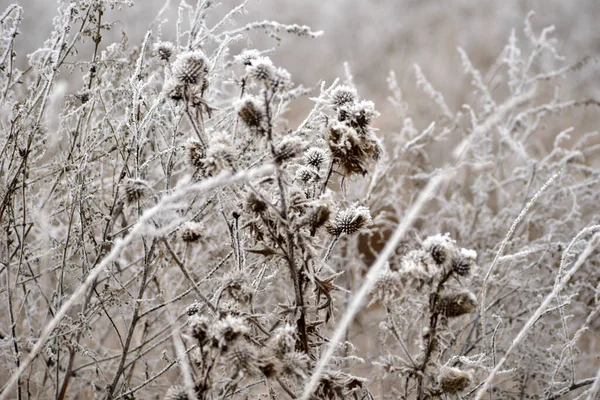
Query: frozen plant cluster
(168, 233)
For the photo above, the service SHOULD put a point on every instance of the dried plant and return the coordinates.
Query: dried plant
(168, 233)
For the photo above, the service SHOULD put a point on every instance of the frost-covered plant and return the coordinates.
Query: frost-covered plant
(168, 233)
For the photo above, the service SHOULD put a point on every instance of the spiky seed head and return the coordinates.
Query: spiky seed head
(191, 231)
(261, 70)
(250, 111)
(353, 150)
(190, 68)
(196, 152)
(247, 56)
(280, 80)
(255, 204)
(455, 304)
(304, 175)
(464, 262)
(164, 50)
(343, 95)
(315, 157)
(358, 115)
(350, 220)
(227, 330)
(453, 380)
(289, 147)
(319, 217)
(199, 326)
(135, 189)
(245, 358)
(441, 247)
(173, 90)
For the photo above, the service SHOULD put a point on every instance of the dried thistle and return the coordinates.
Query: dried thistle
(350, 220)
(343, 95)
(251, 112)
(453, 380)
(351, 150)
(455, 304)
(191, 231)
(135, 189)
(190, 68)
(164, 50)
(315, 157)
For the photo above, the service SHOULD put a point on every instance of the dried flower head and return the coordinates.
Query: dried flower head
(343, 95)
(315, 157)
(191, 231)
(351, 150)
(227, 330)
(295, 365)
(453, 380)
(245, 358)
(358, 115)
(319, 216)
(247, 56)
(190, 68)
(464, 261)
(455, 304)
(441, 247)
(350, 220)
(280, 80)
(255, 204)
(199, 326)
(283, 340)
(289, 147)
(388, 288)
(261, 70)
(195, 153)
(164, 50)
(250, 111)
(173, 90)
(219, 157)
(305, 175)
(135, 189)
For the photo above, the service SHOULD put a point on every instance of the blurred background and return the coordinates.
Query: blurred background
(376, 37)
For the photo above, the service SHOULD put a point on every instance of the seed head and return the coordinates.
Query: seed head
(464, 261)
(191, 231)
(453, 380)
(351, 149)
(164, 50)
(289, 147)
(305, 175)
(261, 70)
(246, 57)
(251, 113)
(350, 220)
(315, 157)
(358, 115)
(135, 189)
(226, 331)
(343, 95)
(190, 68)
(441, 247)
(255, 204)
(455, 304)
(195, 153)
